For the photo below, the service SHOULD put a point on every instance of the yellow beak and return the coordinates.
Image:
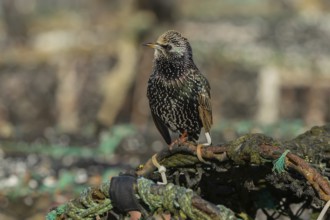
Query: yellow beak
(152, 45)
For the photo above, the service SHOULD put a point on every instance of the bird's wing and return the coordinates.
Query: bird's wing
(205, 111)
(204, 106)
(162, 128)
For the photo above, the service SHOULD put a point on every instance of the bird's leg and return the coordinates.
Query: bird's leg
(208, 139)
(183, 138)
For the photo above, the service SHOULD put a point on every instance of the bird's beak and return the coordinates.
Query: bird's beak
(152, 45)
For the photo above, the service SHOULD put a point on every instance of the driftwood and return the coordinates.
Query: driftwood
(227, 181)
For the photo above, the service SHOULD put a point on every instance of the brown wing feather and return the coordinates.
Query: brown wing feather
(205, 110)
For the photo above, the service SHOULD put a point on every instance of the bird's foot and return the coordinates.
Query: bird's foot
(182, 139)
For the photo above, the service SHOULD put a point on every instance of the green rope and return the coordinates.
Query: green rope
(279, 164)
(84, 207)
(177, 200)
(169, 197)
(52, 215)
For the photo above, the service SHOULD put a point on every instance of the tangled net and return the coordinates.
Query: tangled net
(228, 181)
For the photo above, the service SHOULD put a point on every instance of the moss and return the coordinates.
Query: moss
(246, 148)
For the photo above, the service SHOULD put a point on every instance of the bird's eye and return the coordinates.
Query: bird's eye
(167, 46)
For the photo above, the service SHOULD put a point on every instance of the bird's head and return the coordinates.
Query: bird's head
(171, 45)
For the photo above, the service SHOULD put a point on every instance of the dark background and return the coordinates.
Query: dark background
(73, 76)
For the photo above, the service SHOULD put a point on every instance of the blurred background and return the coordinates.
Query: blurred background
(73, 78)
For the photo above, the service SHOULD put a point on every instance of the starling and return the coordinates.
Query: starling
(178, 93)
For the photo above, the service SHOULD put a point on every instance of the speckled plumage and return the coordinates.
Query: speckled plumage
(179, 95)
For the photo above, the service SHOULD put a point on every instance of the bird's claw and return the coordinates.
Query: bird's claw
(181, 140)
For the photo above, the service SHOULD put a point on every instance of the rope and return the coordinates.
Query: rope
(161, 170)
(172, 198)
(199, 153)
(52, 215)
(85, 207)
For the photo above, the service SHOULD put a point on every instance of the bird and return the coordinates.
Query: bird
(178, 93)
